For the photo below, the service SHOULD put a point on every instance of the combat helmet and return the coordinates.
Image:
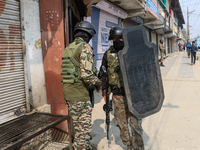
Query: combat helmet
(115, 32)
(85, 26)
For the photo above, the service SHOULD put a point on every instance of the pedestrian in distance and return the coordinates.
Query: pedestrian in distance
(162, 52)
(78, 74)
(188, 46)
(179, 45)
(121, 113)
(193, 53)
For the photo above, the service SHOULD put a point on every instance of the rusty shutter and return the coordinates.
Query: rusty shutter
(12, 82)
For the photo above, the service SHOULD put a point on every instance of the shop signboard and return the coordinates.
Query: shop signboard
(167, 23)
(161, 14)
(153, 7)
(138, 19)
(171, 24)
(172, 14)
(175, 28)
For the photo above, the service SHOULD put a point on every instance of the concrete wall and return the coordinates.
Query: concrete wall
(35, 66)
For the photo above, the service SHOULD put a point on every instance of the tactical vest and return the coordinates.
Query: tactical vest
(161, 46)
(74, 89)
(115, 78)
(71, 66)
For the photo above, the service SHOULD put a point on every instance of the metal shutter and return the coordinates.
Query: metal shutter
(12, 82)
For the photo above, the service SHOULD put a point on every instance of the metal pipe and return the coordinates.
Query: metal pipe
(66, 30)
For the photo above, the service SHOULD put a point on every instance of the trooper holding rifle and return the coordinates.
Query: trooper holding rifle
(113, 75)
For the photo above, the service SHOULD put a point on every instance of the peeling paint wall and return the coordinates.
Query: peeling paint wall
(35, 65)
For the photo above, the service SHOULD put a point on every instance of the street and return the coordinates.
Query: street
(176, 126)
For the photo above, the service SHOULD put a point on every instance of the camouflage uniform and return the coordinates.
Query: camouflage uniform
(81, 115)
(121, 111)
(78, 100)
(122, 115)
(162, 51)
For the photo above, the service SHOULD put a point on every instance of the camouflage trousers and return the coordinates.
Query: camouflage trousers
(162, 57)
(81, 115)
(122, 115)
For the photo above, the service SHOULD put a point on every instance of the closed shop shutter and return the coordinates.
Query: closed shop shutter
(153, 37)
(12, 82)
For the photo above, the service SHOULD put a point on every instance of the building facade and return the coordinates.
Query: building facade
(34, 34)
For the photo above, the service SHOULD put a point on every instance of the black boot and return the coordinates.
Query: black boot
(162, 65)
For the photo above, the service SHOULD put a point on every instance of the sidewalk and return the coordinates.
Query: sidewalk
(176, 126)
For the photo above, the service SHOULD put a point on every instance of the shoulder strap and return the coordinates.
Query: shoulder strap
(116, 58)
(72, 59)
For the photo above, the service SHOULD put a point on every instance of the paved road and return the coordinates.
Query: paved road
(176, 126)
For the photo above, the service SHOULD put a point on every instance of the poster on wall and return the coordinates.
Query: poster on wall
(153, 7)
(106, 22)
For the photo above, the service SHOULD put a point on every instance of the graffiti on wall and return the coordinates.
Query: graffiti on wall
(38, 44)
(9, 42)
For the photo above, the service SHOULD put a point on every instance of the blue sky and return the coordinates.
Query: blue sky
(194, 17)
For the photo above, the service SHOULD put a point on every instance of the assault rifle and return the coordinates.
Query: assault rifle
(108, 106)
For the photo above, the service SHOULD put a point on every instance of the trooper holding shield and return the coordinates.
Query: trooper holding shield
(121, 112)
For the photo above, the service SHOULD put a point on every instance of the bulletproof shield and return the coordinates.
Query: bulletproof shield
(140, 69)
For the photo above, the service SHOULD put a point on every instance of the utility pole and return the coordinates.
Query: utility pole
(188, 25)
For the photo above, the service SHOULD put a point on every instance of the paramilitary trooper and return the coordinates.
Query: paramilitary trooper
(162, 52)
(121, 112)
(78, 77)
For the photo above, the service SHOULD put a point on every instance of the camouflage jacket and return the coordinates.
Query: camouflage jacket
(162, 48)
(79, 91)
